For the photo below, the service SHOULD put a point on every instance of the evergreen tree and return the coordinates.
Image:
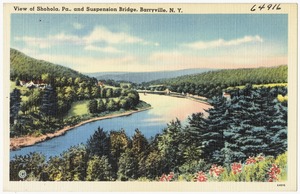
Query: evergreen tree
(99, 144)
(49, 106)
(213, 140)
(192, 138)
(15, 100)
(93, 106)
(139, 142)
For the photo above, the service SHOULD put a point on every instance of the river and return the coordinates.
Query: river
(150, 122)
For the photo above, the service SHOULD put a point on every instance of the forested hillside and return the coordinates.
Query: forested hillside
(24, 67)
(213, 83)
(44, 96)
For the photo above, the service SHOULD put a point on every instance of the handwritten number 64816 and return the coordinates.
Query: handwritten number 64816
(267, 7)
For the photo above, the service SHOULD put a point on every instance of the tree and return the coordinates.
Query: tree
(169, 145)
(74, 164)
(119, 143)
(95, 93)
(93, 106)
(49, 106)
(15, 100)
(77, 81)
(101, 106)
(32, 163)
(99, 144)
(80, 93)
(70, 81)
(192, 138)
(124, 103)
(98, 169)
(213, 140)
(69, 94)
(111, 105)
(46, 78)
(87, 94)
(34, 99)
(139, 142)
(128, 166)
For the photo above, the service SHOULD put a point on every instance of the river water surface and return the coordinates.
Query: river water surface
(150, 122)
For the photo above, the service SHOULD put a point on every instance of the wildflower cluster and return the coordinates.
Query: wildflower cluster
(273, 172)
(201, 177)
(253, 169)
(236, 168)
(253, 160)
(216, 170)
(167, 178)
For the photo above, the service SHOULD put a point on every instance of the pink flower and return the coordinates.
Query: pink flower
(236, 168)
(201, 177)
(251, 160)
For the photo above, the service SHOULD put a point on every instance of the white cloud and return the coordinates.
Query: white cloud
(77, 26)
(111, 40)
(51, 40)
(223, 43)
(102, 34)
(107, 49)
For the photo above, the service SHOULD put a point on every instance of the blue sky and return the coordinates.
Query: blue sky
(102, 43)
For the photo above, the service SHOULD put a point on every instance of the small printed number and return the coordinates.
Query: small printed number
(280, 185)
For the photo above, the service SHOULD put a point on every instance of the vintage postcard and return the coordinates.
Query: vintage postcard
(150, 97)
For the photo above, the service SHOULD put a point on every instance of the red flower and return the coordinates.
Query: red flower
(236, 168)
(216, 170)
(166, 178)
(201, 177)
(273, 172)
(251, 160)
(163, 178)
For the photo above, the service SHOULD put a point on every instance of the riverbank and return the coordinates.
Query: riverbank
(25, 141)
(195, 98)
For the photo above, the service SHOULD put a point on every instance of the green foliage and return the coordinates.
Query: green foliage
(99, 144)
(15, 100)
(32, 163)
(27, 68)
(49, 106)
(98, 169)
(212, 83)
(128, 166)
(93, 106)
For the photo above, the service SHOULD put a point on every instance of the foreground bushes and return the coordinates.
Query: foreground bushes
(258, 169)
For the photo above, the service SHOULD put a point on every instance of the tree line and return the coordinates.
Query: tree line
(253, 122)
(212, 83)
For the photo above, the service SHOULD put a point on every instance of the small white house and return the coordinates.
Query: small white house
(227, 96)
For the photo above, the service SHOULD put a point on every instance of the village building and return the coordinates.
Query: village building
(227, 96)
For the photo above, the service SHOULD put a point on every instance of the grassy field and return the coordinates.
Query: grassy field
(23, 90)
(79, 108)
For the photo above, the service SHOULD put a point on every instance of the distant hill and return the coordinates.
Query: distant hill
(232, 77)
(213, 83)
(139, 77)
(28, 68)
